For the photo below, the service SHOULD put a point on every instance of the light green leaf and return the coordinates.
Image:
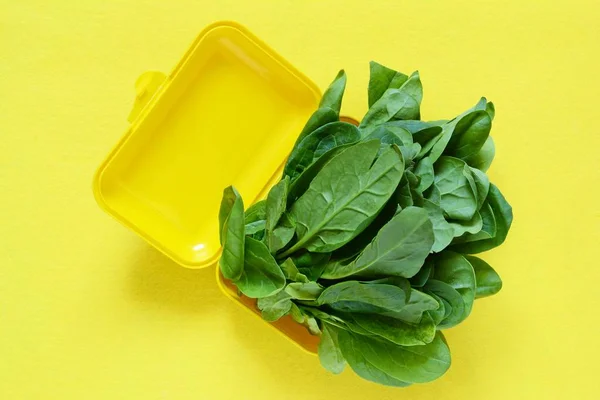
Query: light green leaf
(304, 291)
(332, 98)
(330, 355)
(275, 306)
(424, 170)
(469, 134)
(262, 276)
(291, 272)
(381, 79)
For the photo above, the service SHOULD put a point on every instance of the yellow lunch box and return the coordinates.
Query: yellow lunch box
(228, 114)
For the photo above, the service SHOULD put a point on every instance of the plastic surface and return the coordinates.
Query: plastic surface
(228, 114)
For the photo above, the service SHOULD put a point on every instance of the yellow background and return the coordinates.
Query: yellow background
(89, 311)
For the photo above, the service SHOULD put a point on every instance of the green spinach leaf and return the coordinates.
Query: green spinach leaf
(291, 272)
(274, 307)
(399, 249)
(455, 270)
(484, 157)
(487, 280)
(332, 98)
(503, 216)
(330, 355)
(304, 290)
(354, 296)
(381, 79)
(261, 276)
(345, 197)
(453, 302)
(232, 258)
(458, 199)
(387, 363)
(317, 143)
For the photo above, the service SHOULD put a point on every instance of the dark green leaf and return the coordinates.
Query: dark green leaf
(482, 184)
(488, 227)
(399, 249)
(317, 143)
(395, 103)
(345, 197)
(453, 302)
(351, 249)
(319, 118)
(381, 79)
(438, 315)
(503, 217)
(354, 296)
(393, 329)
(488, 281)
(418, 303)
(300, 316)
(448, 130)
(455, 270)
(422, 276)
(299, 186)
(469, 134)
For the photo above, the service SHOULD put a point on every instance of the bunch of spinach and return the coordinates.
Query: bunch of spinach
(367, 239)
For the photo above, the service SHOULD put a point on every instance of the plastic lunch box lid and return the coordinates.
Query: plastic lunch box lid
(228, 114)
